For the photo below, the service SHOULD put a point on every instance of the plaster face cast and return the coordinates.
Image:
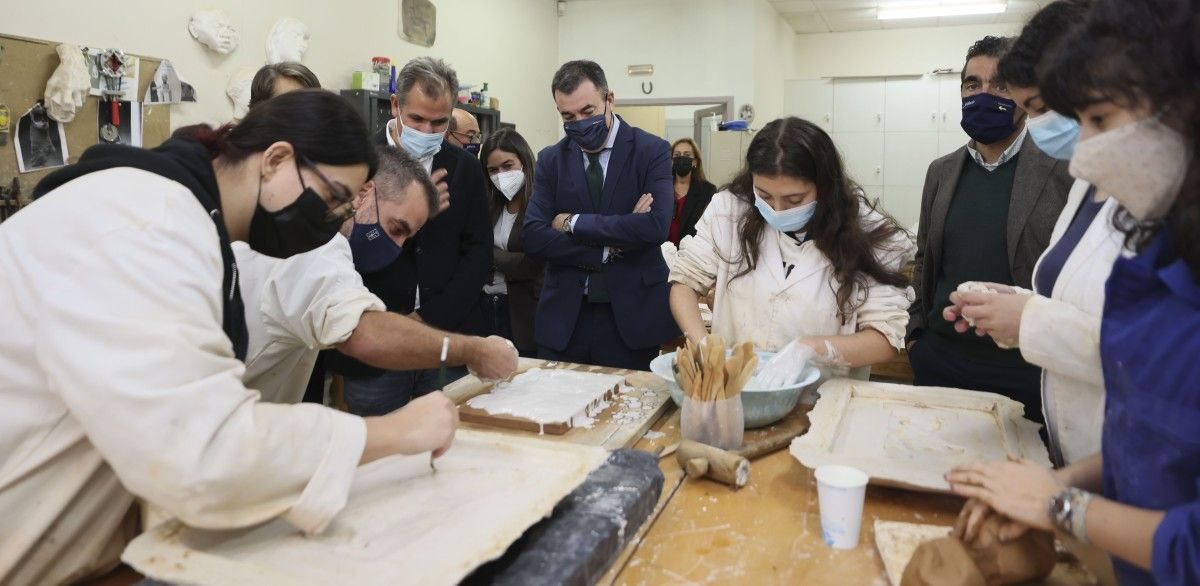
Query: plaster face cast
(213, 29)
(287, 41)
(68, 86)
(238, 91)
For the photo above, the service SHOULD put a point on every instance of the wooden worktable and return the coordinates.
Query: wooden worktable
(769, 532)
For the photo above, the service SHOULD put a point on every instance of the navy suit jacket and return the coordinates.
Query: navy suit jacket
(637, 275)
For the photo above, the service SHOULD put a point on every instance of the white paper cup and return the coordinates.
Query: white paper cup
(840, 492)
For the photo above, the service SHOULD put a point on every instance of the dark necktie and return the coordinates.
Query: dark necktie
(597, 287)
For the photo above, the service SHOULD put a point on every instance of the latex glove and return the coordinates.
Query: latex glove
(494, 358)
(785, 368)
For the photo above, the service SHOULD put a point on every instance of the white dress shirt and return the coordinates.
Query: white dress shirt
(116, 380)
(1005, 157)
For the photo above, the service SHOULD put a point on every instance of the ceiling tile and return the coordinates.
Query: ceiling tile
(793, 6)
(909, 23)
(807, 23)
(971, 19)
(825, 5)
(854, 25)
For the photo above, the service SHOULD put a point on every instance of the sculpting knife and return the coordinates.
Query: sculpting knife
(441, 382)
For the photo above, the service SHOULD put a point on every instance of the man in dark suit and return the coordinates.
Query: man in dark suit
(601, 207)
(438, 275)
(987, 213)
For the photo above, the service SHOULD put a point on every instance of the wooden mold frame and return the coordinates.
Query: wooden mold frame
(917, 433)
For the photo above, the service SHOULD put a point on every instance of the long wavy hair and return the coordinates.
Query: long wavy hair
(1139, 54)
(795, 148)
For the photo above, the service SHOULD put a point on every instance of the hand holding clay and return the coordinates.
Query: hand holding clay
(493, 358)
(213, 29)
(994, 314)
(1017, 489)
(426, 424)
(443, 191)
(68, 87)
(975, 514)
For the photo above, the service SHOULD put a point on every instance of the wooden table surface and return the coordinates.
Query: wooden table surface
(769, 532)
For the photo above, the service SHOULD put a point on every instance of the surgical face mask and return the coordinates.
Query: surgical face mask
(472, 147)
(682, 165)
(421, 145)
(509, 182)
(301, 226)
(370, 245)
(590, 133)
(988, 118)
(1054, 133)
(1141, 164)
(792, 220)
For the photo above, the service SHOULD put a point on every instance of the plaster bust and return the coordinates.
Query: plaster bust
(213, 29)
(68, 87)
(287, 41)
(238, 91)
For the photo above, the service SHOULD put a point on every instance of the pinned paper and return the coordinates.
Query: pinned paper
(128, 83)
(165, 88)
(41, 141)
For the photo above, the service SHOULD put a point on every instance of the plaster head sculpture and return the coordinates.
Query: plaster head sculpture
(287, 41)
(213, 29)
(238, 91)
(68, 87)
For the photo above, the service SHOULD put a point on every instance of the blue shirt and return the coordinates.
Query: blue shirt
(1149, 344)
(1056, 258)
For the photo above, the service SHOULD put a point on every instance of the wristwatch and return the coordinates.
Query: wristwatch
(1068, 512)
(567, 226)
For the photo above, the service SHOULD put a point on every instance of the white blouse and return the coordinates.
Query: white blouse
(500, 234)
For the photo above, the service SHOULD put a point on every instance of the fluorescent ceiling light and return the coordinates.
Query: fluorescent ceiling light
(938, 10)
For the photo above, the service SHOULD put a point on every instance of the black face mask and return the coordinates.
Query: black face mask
(682, 165)
(303, 225)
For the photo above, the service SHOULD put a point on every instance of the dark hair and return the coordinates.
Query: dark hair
(434, 76)
(398, 170)
(791, 147)
(988, 46)
(1147, 54)
(262, 88)
(572, 73)
(321, 126)
(698, 166)
(1040, 38)
(509, 141)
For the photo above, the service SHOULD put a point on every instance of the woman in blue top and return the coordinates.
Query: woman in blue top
(1132, 75)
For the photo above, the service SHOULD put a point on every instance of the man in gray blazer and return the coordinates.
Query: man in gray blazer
(987, 212)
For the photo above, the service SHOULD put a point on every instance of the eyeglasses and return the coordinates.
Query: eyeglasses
(340, 209)
(467, 137)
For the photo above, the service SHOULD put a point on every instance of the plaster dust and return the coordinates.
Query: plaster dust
(911, 436)
(402, 522)
(551, 396)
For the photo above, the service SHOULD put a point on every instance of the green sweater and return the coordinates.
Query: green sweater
(975, 248)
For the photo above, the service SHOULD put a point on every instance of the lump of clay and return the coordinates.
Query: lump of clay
(986, 561)
(68, 86)
(287, 41)
(213, 29)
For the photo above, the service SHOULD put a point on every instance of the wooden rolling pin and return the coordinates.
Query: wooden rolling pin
(733, 468)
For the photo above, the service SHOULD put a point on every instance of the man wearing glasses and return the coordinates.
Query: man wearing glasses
(464, 131)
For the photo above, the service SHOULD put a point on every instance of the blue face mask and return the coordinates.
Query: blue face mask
(988, 118)
(472, 147)
(590, 133)
(370, 245)
(421, 145)
(1054, 133)
(792, 220)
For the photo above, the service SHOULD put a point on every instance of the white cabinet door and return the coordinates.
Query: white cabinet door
(812, 100)
(950, 141)
(858, 105)
(911, 104)
(862, 154)
(950, 97)
(903, 203)
(907, 156)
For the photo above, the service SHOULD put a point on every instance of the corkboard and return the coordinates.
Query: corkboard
(25, 65)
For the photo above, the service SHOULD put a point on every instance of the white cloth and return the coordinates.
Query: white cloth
(1005, 157)
(1062, 334)
(501, 231)
(296, 307)
(117, 380)
(770, 307)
